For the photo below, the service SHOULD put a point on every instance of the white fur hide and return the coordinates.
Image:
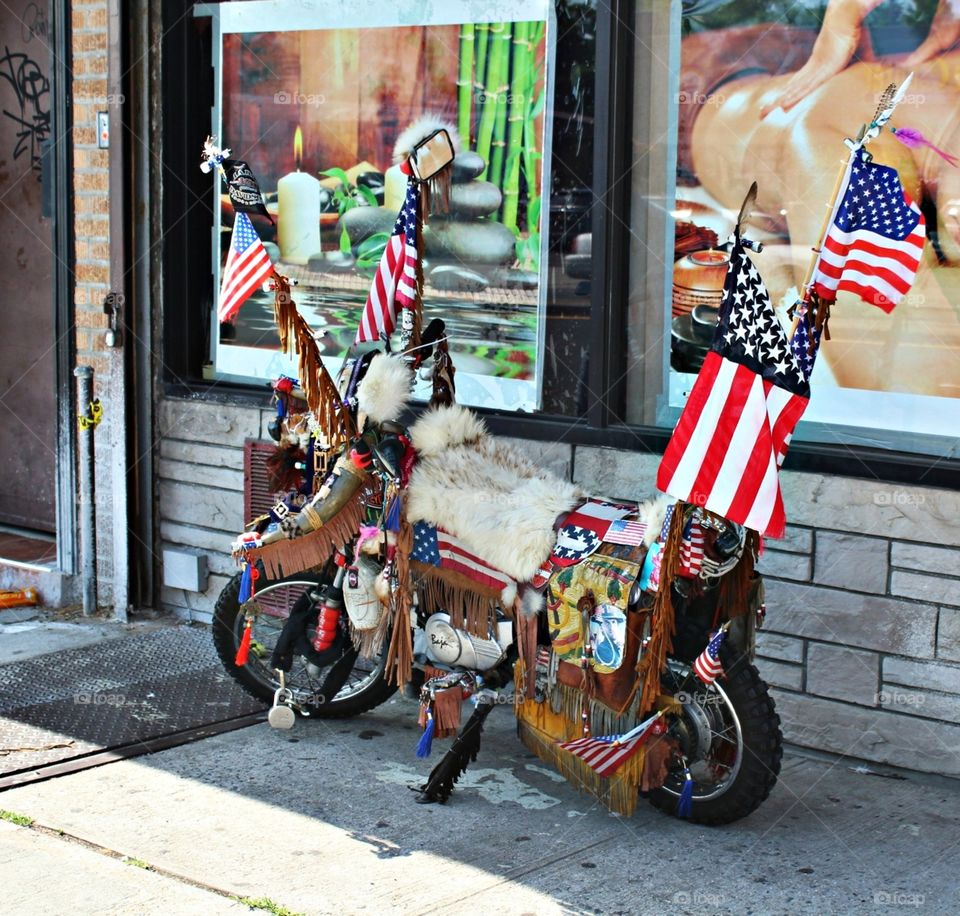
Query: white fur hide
(485, 492)
(384, 391)
(419, 130)
(653, 511)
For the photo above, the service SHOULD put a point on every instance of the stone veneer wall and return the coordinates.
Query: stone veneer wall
(862, 638)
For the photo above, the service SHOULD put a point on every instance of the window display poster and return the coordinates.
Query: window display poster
(315, 107)
(768, 89)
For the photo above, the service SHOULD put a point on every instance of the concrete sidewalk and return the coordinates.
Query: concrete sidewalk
(319, 820)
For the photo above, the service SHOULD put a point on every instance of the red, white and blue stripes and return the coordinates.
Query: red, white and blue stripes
(875, 240)
(607, 754)
(707, 667)
(395, 284)
(248, 266)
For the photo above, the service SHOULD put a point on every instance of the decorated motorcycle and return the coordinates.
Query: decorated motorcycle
(433, 557)
(438, 558)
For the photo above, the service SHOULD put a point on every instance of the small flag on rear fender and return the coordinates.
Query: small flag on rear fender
(707, 667)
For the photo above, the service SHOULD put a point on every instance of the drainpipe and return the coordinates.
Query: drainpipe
(88, 537)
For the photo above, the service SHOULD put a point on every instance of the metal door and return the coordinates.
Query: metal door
(27, 345)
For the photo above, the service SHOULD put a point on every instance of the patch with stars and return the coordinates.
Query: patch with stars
(749, 332)
(574, 543)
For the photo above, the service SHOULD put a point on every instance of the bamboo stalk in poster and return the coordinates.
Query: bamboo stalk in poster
(521, 85)
(465, 81)
(503, 89)
(482, 38)
(495, 67)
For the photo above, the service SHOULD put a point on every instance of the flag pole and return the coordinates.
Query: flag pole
(889, 100)
(824, 229)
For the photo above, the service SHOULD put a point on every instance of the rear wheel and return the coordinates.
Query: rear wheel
(364, 687)
(729, 734)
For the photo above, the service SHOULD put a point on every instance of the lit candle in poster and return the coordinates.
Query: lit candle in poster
(298, 211)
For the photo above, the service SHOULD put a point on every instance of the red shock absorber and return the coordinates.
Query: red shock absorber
(327, 621)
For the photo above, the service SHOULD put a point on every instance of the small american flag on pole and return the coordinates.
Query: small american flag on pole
(395, 283)
(707, 667)
(248, 266)
(606, 755)
(875, 239)
(436, 547)
(732, 437)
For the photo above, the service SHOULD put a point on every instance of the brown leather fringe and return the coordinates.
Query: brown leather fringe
(736, 585)
(297, 336)
(284, 558)
(663, 624)
(525, 680)
(399, 664)
(447, 705)
(471, 606)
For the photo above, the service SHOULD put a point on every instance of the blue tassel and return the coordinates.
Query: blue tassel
(685, 803)
(244, 596)
(425, 744)
(393, 515)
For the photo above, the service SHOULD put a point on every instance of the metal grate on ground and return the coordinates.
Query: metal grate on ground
(127, 690)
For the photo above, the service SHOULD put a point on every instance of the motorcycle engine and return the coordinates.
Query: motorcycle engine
(449, 646)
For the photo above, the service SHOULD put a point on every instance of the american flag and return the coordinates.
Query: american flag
(732, 436)
(803, 353)
(691, 548)
(395, 284)
(875, 240)
(707, 667)
(248, 266)
(606, 755)
(436, 547)
(626, 531)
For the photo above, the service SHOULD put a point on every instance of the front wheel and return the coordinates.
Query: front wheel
(361, 689)
(729, 734)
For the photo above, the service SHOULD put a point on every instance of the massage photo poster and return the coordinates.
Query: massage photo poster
(764, 93)
(313, 96)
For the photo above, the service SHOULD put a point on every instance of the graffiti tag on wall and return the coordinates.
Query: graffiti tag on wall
(31, 111)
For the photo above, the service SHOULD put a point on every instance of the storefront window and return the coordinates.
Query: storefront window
(731, 92)
(314, 100)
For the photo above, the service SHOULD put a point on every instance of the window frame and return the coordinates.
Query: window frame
(187, 294)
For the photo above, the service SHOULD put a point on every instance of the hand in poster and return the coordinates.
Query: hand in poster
(944, 34)
(835, 46)
(838, 41)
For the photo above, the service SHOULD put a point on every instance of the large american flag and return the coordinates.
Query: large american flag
(732, 436)
(607, 754)
(435, 547)
(875, 240)
(395, 284)
(248, 266)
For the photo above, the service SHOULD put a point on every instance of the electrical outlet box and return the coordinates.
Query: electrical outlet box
(184, 569)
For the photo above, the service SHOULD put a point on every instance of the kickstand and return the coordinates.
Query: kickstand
(464, 749)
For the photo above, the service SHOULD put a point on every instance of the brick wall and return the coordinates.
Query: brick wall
(862, 639)
(89, 40)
